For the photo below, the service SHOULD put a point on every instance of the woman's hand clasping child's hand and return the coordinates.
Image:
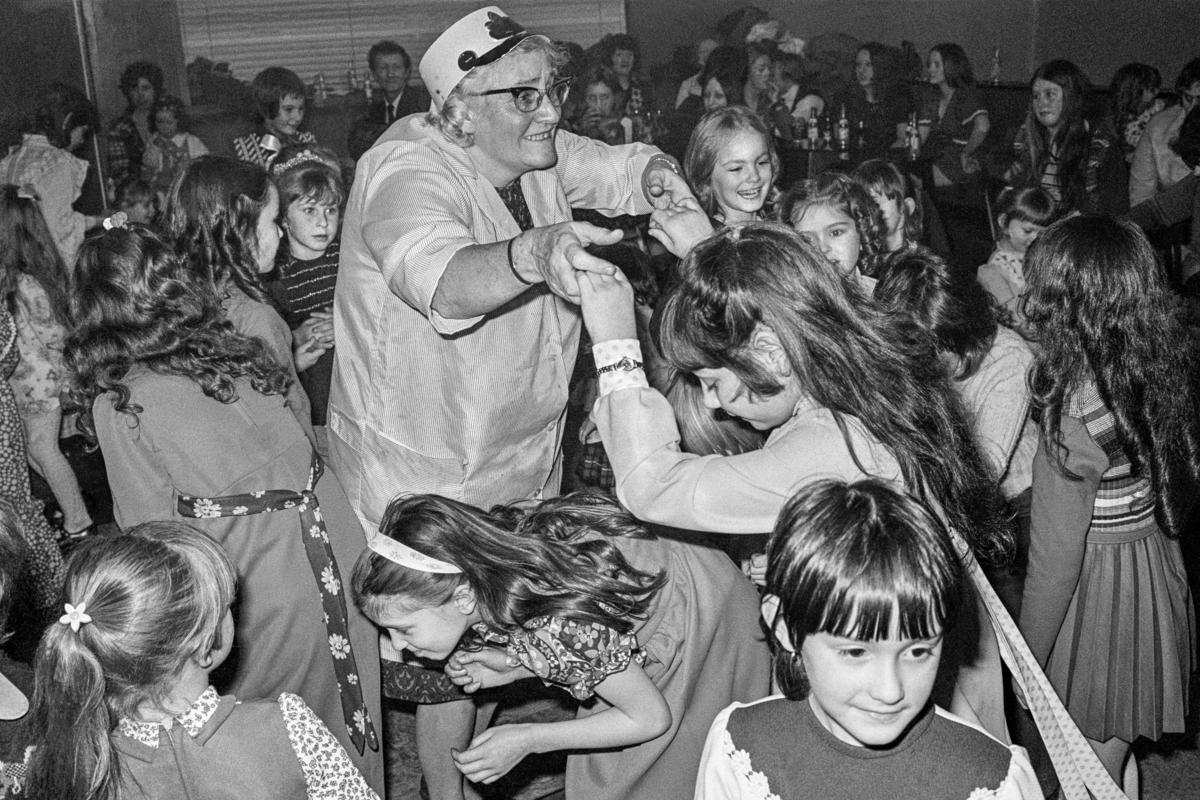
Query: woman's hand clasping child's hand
(607, 303)
(495, 751)
(680, 227)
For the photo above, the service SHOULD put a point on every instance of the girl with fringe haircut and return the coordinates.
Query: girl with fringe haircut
(1116, 478)
(863, 583)
(841, 220)
(222, 215)
(777, 337)
(578, 593)
(193, 413)
(123, 703)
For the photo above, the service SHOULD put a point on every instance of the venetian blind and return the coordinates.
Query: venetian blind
(329, 37)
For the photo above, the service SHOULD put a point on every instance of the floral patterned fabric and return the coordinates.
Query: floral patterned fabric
(58, 178)
(325, 571)
(38, 378)
(577, 656)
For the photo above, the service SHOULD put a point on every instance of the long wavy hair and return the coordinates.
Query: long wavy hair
(955, 314)
(138, 304)
(1102, 312)
(557, 559)
(956, 66)
(27, 247)
(1069, 142)
(881, 175)
(156, 596)
(860, 561)
(715, 130)
(212, 215)
(849, 355)
(839, 191)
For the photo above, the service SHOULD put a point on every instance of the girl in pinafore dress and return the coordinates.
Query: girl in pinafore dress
(1106, 606)
(193, 413)
(654, 636)
(123, 706)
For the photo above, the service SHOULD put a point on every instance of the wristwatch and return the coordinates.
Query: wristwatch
(626, 364)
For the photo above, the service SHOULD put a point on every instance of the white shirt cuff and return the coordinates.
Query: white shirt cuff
(611, 352)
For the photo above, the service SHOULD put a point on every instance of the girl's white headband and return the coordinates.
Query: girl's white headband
(405, 556)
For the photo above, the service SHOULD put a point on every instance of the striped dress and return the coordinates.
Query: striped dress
(1122, 655)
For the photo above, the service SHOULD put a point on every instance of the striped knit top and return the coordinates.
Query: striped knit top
(1125, 499)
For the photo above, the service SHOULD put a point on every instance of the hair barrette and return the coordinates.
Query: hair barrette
(27, 191)
(405, 556)
(302, 157)
(75, 616)
(117, 220)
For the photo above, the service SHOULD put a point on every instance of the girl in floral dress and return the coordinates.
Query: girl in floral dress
(123, 704)
(194, 413)
(653, 635)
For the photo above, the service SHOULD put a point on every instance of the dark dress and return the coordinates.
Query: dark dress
(949, 132)
(185, 443)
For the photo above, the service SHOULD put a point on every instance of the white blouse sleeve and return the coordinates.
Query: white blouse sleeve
(717, 778)
(329, 773)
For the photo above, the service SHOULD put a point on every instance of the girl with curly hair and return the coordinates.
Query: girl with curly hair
(839, 218)
(190, 413)
(578, 593)
(1106, 606)
(223, 216)
(779, 338)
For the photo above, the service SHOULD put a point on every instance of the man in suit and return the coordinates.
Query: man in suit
(391, 67)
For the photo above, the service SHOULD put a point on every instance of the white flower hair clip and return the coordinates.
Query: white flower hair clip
(117, 220)
(75, 616)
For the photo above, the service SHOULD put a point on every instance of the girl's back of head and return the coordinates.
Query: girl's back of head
(212, 214)
(1030, 204)
(520, 563)
(881, 177)
(139, 606)
(27, 247)
(138, 303)
(860, 561)
(954, 313)
(1102, 312)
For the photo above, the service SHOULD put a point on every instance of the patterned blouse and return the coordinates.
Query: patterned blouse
(328, 772)
(577, 656)
(38, 379)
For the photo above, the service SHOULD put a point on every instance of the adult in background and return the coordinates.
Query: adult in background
(128, 135)
(391, 67)
(1155, 166)
(455, 311)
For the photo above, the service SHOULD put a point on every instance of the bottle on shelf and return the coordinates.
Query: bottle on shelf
(827, 133)
(861, 141)
(320, 90)
(352, 79)
(843, 133)
(912, 138)
(995, 76)
(812, 132)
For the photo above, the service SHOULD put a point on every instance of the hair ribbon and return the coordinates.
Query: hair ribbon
(405, 556)
(27, 191)
(117, 220)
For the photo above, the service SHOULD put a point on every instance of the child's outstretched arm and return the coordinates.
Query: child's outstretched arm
(639, 713)
(472, 670)
(329, 774)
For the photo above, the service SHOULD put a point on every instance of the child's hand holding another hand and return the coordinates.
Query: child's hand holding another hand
(607, 303)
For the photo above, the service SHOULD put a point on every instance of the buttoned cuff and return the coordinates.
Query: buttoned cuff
(606, 354)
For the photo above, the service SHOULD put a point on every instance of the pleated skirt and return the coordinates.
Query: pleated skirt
(1126, 649)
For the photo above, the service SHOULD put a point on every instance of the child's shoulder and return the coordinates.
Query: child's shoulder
(972, 746)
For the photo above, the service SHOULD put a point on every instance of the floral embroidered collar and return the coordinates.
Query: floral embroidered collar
(193, 720)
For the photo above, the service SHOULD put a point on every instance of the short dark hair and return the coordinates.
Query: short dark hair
(387, 47)
(270, 86)
(169, 102)
(1188, 75)
(142, 69)
(1187, 144)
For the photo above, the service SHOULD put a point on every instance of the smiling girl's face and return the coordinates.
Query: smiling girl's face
(742, 176)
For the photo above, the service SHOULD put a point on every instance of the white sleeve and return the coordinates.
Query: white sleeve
(329, 774)
(717, 777)
(1021, 782)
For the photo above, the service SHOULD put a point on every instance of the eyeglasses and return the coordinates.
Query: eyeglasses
(528, 99)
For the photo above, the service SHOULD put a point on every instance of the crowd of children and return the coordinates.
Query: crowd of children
(871, 427)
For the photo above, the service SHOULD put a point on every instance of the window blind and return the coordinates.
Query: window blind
(330, 37)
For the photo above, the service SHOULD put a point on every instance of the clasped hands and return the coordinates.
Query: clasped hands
(556, 254)
(491, 754)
